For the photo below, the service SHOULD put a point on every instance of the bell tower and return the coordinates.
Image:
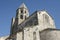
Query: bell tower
(22, 13)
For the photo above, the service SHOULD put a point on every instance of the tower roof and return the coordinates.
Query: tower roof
(23, 6)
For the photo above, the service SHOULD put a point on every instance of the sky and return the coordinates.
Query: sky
(8, 10)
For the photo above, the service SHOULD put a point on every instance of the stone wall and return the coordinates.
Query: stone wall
(30, 21)
(29, 33)
(45, 20)
(40, 18)
(50, 34)
(19, 36)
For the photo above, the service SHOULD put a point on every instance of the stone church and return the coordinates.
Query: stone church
(38, 26)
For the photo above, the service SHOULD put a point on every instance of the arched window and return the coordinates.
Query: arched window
(34, 35)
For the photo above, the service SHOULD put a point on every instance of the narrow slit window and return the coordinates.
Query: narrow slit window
(46, 18)
(21, 16)
(25, 17)
(39, 35)
(21, 11)
(34, 35)
(25, 11)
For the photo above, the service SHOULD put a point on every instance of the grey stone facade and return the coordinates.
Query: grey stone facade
(38, 26)
(50, 34)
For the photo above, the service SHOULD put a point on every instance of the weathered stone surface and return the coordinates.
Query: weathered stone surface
(19, 36)
(52, 34)
(25, 27)
(44, 22)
